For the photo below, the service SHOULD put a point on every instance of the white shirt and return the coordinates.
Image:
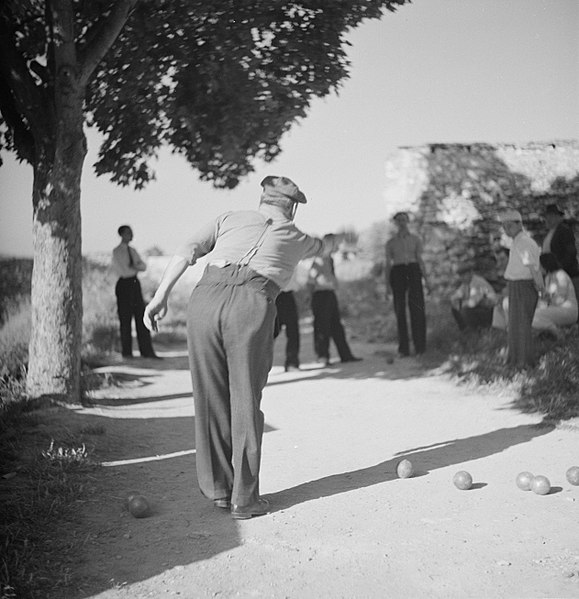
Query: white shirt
(473, 293)
(523, 257)
(121, 262)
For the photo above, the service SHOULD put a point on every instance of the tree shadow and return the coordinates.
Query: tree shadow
(132, 401)
(370, 368)
(425, 459)
(374, 364)
(157, 460)
(170, 360)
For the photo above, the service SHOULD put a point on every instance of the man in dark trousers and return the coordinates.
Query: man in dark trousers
(322, 283)
(525, 285)
(288, 318)
(560, 241)
(126, 263)
(251, 256)
(404, 273)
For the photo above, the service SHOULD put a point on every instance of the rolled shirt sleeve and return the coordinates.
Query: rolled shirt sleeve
(200, 244)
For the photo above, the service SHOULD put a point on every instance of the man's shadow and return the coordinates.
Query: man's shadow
(424, 459)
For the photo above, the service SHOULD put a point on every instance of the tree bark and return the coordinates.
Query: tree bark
(56, 296)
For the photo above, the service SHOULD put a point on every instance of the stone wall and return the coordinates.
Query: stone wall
(455, 191)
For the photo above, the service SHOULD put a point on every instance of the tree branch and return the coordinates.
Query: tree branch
(26, 97)
(101, 37)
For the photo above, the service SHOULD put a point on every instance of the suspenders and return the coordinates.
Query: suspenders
(245, 259)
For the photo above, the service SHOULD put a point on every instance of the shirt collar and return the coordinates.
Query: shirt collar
(272, 212)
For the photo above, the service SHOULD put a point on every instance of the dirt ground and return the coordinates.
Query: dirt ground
(342, 523)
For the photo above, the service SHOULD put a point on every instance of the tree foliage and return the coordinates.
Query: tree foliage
(220, 81)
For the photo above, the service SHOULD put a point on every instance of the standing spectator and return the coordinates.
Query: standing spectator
(126, 263)
(230, 323)
(560, 241)
(500, 311)
(404, 273)
(287, 316)
(524, 284)
(322, 283)
(472, 302)
(559, 306)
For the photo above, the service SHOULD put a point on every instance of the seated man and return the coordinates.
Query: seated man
(472, 303)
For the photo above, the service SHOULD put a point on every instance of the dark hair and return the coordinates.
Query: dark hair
(549, 262)
(465, 267)
(122, 229)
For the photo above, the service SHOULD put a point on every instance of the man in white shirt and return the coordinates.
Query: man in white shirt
(524, 284)
(322, 283)
(126, 263)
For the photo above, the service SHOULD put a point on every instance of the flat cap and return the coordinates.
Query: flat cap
(283, 187)
(510, 216)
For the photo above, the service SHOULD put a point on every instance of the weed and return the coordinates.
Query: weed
(65, 455)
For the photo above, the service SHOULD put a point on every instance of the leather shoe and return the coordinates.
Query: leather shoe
(244, 512)
(222, 503)
(352, 359)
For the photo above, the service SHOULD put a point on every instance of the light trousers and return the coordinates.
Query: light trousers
(230, 338)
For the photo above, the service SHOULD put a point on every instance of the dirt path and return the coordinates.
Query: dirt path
(343, 524)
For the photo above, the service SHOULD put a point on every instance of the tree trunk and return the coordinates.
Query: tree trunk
(56, 298)
(56, 335)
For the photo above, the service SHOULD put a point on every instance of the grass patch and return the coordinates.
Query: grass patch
(551, 388)
(45, 471)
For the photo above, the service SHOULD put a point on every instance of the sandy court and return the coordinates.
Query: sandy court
(342, 524)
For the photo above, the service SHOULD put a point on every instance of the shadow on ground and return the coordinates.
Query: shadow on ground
(156, 457)
(425, 459)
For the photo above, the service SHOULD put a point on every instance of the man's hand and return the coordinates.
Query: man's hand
(155, 311)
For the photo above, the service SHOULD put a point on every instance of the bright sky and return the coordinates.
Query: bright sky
(435, 71)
